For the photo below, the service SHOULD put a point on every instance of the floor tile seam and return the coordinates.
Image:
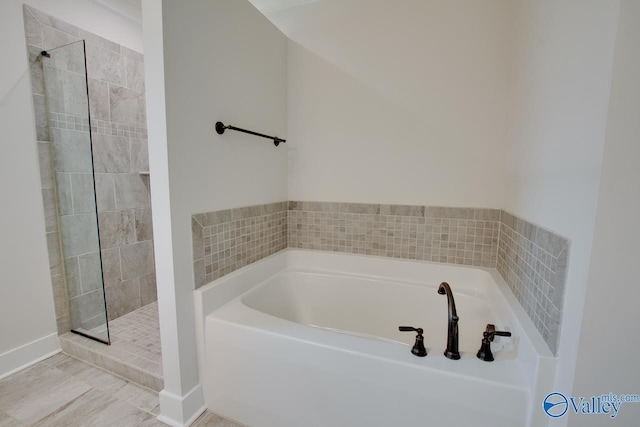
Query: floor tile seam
(121, 399)
(126, 380)
(66, 405)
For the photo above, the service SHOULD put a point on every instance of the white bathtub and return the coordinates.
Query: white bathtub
(306, 338)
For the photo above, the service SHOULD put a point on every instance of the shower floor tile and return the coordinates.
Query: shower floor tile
(134, 352)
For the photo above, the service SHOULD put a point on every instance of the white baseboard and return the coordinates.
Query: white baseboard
(181, 411)
(26, 355)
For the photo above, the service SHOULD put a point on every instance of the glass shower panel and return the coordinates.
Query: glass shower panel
(65, 76)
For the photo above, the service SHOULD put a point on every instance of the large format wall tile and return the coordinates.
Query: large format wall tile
(40, 112)
(131, 191)
(82, 190)
(68, 60)
(65, 195)
(136, 260)
(122, 298)
(87, 310)
(54, 84)
(72, 274)
(144, 225)
(106, 65)
(72, 150)
(111, 154)
(117, 228)
(148, 289)
(127, 106)
(135, 74)
(50, 214)
(118, 131)
(105, 192)
(54, 38)
(75, 95)
(111, 270)
(90, 272)
(55, 257)
(46, 168)
(37, 72)
(79, 234)
(99, 100)
(61, 303)
(139, 155)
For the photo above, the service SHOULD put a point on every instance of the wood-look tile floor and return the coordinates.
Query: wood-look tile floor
(66, 392)
(209, 419)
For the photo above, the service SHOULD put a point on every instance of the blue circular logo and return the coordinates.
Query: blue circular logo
(555, 405)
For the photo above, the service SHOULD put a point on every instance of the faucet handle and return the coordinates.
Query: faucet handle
(490, 332)
(418, 348)
(410, 329)
(487, 336)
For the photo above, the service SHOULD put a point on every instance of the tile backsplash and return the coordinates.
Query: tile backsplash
(464, 236)
(224, 241)
(531, 259)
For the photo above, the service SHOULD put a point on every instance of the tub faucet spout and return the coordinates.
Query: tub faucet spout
(452, 335)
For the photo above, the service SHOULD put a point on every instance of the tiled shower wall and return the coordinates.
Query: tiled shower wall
(531, 259)
(118, 125)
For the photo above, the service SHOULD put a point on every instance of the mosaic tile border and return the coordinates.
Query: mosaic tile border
(100, 127)
(531, 259)
(533, 262)
(465, 236)
(224, 241)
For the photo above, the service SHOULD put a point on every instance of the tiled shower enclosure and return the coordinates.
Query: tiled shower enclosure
(92, 190)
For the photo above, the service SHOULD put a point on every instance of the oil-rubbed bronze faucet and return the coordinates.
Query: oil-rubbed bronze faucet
(452, 336)
(487, 336)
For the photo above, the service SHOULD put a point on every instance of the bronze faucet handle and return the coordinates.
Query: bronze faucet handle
(410, 329)
(418, 348)
(490, 332)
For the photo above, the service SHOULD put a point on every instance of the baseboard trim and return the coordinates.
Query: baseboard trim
(28, 354)
(181, 411)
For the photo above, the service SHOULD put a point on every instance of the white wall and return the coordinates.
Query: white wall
(398, 104)
(419, 104)
(215, 60)
(564, 54)
(609, 347)
(26, 300)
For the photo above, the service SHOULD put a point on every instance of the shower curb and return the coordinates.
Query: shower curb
(97, 354)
